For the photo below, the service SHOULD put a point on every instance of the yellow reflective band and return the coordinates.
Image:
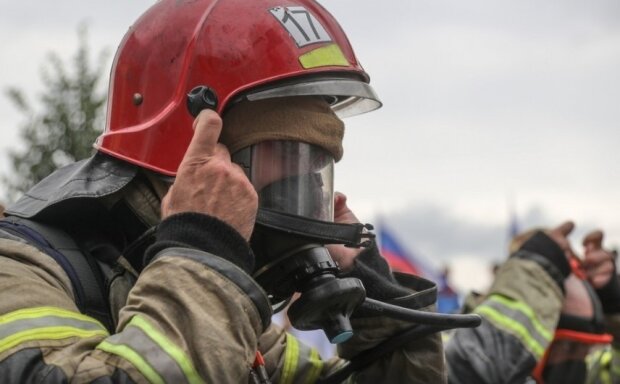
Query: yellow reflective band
(527, 311)
(604, 377)
(514, 327)
(290, 360)
(594, 357)
(31, 313)
(175, 352)
(615, 359)
(606, 358)
(325, 56)
(316, 367)
(47, 333)
(134, 358)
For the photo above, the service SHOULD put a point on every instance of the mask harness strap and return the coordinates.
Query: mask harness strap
(351, 235)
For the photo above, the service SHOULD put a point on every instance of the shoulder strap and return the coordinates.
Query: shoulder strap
(82, 269)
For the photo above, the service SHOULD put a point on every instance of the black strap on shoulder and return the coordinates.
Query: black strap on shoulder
(83, 270)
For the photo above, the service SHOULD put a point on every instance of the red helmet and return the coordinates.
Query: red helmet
(241, 50)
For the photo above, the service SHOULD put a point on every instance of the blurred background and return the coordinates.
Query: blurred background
(498, 115)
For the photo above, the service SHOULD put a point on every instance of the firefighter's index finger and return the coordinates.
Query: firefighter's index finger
(594, 238)
(565, 228)
(207, 129)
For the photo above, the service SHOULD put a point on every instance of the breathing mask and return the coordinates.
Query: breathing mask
(294, 182)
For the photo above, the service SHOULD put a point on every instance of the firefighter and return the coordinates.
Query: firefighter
(549, 316)
(141, 263)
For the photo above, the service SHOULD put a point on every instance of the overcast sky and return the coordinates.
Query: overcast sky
(487, 105)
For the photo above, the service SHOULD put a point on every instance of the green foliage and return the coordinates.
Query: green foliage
(67, 121)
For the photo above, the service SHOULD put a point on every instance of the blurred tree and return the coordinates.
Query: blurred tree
(65, 125)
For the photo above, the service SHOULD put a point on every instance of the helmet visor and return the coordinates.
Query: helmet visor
(294, 177)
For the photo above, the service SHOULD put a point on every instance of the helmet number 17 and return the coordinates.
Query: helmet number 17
(303, 27)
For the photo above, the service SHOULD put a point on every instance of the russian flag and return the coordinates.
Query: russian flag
(400, 259)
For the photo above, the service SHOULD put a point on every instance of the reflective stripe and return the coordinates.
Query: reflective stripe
(152, 353)
(45, 323)
(513, 321)
(602, 365)
(324, 56)
(290, 360)
(174, 351)
(593, 359)
(302, 364)
(316, 366)
(615, 363)
(605, 378)
(134, 358)
(32, 313)
(526, 310)
(17, 326)
(604, 375)
(605, 365)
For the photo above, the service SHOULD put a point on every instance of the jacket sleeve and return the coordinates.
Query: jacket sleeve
(192, 317)
(519, 317)
(420, 361)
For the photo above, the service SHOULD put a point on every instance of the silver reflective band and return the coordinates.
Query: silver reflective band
(46, 323)
(21, 325)
(354, 97)
(152, 353)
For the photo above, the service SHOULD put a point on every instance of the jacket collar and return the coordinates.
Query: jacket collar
(70, 192)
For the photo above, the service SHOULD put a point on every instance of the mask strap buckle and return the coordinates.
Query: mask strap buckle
(351, 235)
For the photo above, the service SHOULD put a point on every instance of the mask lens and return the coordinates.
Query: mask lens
(295, 178)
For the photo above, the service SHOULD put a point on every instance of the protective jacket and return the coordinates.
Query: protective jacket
(519, 317)
(181, 309)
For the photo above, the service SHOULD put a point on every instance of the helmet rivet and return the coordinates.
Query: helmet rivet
(137, 99)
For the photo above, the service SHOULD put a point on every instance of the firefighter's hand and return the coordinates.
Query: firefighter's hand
(552, 244)
(600, 267)
(344, 256)
(560, 235)
(208, 182)
(598, 262)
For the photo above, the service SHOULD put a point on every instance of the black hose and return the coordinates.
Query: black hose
(422, 317)
(429, 323)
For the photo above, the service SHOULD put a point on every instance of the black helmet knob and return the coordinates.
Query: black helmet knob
(199, 98)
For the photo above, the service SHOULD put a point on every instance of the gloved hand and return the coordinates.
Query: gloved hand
(344, 256)
(550, 248)
(365, 264)
(600, 267)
